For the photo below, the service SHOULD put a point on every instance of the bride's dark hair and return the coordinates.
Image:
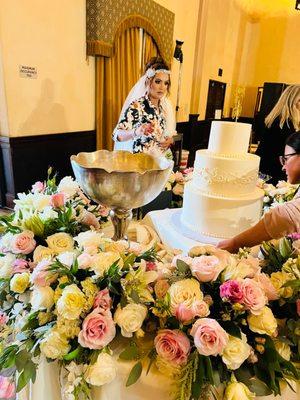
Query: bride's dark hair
(158, 63)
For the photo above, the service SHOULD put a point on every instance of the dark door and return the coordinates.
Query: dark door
(215, 98)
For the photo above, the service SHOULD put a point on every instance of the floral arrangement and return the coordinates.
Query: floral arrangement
(176, 183)
(68, 294)
(276, 195)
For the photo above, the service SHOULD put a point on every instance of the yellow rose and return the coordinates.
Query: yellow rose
(236, 352)
(102, 261)
(44, 317)
(264, 323)
(20, 282)
(71, 302)
(42, 252)
(68, 328)
(185, 292)
(55, 345)
(283, 349)
(60, 242)
(278, 279)
(238, 391)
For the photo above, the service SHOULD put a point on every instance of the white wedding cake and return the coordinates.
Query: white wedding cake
(222, 199)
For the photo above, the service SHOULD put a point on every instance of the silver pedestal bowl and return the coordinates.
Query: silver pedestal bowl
(121, 181)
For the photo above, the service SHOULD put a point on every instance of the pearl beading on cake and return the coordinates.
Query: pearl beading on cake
(216, 176)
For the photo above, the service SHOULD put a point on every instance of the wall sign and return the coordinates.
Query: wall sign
(27, 72)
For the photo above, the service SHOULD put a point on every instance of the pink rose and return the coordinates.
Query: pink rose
(150, 266)
(173, 346)
(161, 288)
(3, 318)
(38, 187)
(186, 314)
(23, 243)
(231, 291)
(7, 388)
(267, 286)
(57, 200)
(103, 300)
(294, 236)
(253, 296)
(188, 171)
(41, 276)
(89, 219)
(20, 265)
(206, 268)
(298, 307)
(85, 260)
(209, 337)
(98, 329)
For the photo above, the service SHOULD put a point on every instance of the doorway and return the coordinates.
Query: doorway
(215, 99)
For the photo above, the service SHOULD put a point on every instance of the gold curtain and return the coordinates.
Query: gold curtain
(115, 76)
(150, 49)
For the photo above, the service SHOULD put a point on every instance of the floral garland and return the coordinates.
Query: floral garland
(67, 293)
(276, 195)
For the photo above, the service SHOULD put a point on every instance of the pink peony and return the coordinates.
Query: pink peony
(85, 260)
(186, 314)
(41, 276)
(7, 388)
(3, 318)
(206, 268)
(231, 291)
(161, 288)
(267, 286)
(173, 346)
(20, 265)
(57, 200)
(38, 187)
(89, 219)
(98, 329)
(253, 296)
(23, 243)
(103, 300)
(209, 337)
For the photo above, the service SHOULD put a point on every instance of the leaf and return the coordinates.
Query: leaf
(29, 373)
(182, 267)
(73, 354)
(231, 328)
(21, 359)
(135, 296)
(258, 387)
(209, 370)
(294, 283)
(135, 373)
(131, 352)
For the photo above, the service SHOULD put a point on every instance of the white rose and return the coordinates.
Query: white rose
(68, 186)
(6, 263)
(42, 297)
(236, 352)
(185, 292)
(283, 349)
(67, 258)
(60, 242)
(54, 345)
(48, 213)
(5, 242)
(130, 318)
(89, 239)
(103, 371)
(40, 201)
(102, 261)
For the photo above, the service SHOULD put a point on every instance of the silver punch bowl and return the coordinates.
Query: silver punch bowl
(121, 181)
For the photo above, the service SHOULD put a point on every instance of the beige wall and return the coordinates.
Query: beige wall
(51, 37)
(185, 28)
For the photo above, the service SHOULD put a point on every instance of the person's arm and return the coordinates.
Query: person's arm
(251, 237)
(123, 135)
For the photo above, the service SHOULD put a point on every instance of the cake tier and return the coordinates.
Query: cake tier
(229, 137)
(221, 175)
(221, 217)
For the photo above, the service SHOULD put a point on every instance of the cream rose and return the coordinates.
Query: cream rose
(102, 261)
(60, 242)
(71, 302)
(89, 240)
(130, 318)
(20, 282)
(6, 265)
(236, 352)
(42, 252)
(42, 297)
(264, 323)
(283, 349)
(238, 391)
(103, 371)
(54, 345)
(185, 292)
(68, 186)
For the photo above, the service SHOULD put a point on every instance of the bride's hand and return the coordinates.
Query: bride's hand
(166, 142)
(144, 129)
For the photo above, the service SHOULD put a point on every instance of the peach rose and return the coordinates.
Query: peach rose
(57, 200)
(254, 297)
(267, 286)
(23, 243)
(206, 268)
(173, 346)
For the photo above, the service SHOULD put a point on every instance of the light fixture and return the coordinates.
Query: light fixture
(297, 6)
(178, 55)
(178, 52)
(258, 9)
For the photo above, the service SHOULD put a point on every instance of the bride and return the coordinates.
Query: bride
(147, 122)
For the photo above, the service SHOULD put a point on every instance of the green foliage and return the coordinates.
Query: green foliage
(134, 374)
(131, 352)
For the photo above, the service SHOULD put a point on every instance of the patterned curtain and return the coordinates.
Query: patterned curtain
(115, 76)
